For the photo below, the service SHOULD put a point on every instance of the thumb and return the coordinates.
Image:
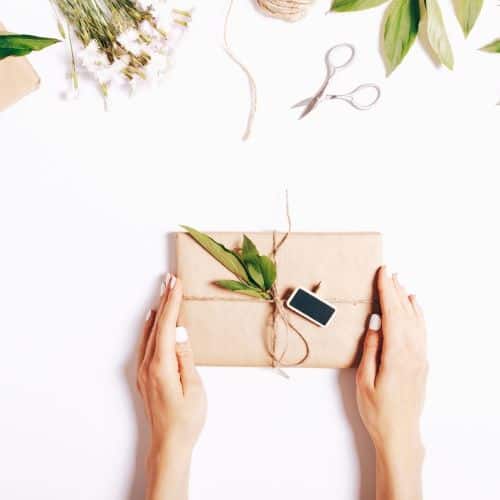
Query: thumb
(367, 369)
(185, 358)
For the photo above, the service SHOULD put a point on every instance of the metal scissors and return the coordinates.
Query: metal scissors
(352, 97)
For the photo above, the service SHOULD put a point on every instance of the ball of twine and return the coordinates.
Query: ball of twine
(287, 10)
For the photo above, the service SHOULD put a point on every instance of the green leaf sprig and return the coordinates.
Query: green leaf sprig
(21, 45)
(403, 21)
(256, 273)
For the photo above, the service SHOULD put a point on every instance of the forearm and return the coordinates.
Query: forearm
(168, 474)
(399, 472)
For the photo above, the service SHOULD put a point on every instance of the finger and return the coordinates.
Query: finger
(165, 348)
(389, 300)
(401, 291)
(151, 343)
(148, 326)
(416, 306)
(185, 357)
(367, 369)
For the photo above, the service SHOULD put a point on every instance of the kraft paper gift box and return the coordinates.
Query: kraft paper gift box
(229, 329)
(17, 79)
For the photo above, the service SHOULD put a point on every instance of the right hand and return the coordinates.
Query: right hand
(392, 375)
(167, 378)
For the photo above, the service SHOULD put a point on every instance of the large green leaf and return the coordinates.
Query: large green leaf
(437, 34)
(467, 13)
(13, 52)
(353, 5)
(268, 268)
(237, 286)
(21, 45)
(492, 47)
(226, 257)
(400, 30)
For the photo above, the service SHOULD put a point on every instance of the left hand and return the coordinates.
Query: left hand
(167, 378)
(391, 377)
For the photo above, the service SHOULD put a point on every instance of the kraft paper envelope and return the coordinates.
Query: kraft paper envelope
(17, 79)
(228, 329)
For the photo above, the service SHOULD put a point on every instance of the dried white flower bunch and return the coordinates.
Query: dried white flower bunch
(121, 42)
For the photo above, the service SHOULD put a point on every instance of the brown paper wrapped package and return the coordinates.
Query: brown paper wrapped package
(228, 329)
(17, 79)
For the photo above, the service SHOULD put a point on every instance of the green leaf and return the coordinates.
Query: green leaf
(437, 34)
(353, 5)
(230, 260)
(492, 47)
(467, 13)
(13, 52)
(254, 271)
(400, 30)
(237, 286)
(268, 269)
(250, 256)
(21, 45)
(249, 250)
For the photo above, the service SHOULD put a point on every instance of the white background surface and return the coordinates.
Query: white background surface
(87, 200)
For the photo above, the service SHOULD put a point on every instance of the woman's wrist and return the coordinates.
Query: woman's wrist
(399, 469)
(168, 467)
(409, 443)
(169, 452)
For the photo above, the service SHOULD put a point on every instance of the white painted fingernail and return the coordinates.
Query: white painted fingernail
(181, 335)
(148, 315)
(173, 281)
(375, 323)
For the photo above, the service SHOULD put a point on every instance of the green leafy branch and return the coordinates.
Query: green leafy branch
(406, 18)
(21, 45)
(256, 273)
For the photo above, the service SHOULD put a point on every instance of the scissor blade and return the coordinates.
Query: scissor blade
(310, 106)
(304, 102)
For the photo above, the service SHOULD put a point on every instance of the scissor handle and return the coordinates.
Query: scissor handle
(330, 63)
(352, 99)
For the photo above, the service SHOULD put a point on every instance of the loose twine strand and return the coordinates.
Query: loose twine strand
(251, 81)
(287, 10)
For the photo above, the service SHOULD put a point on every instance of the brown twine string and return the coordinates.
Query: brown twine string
(287, 10)
(280, 313)
(251, 81)
(353, 302)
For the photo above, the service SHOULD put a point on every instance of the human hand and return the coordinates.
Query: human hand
(173, 394)
(391, 381)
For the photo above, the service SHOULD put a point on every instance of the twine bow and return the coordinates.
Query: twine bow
(280, 313)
